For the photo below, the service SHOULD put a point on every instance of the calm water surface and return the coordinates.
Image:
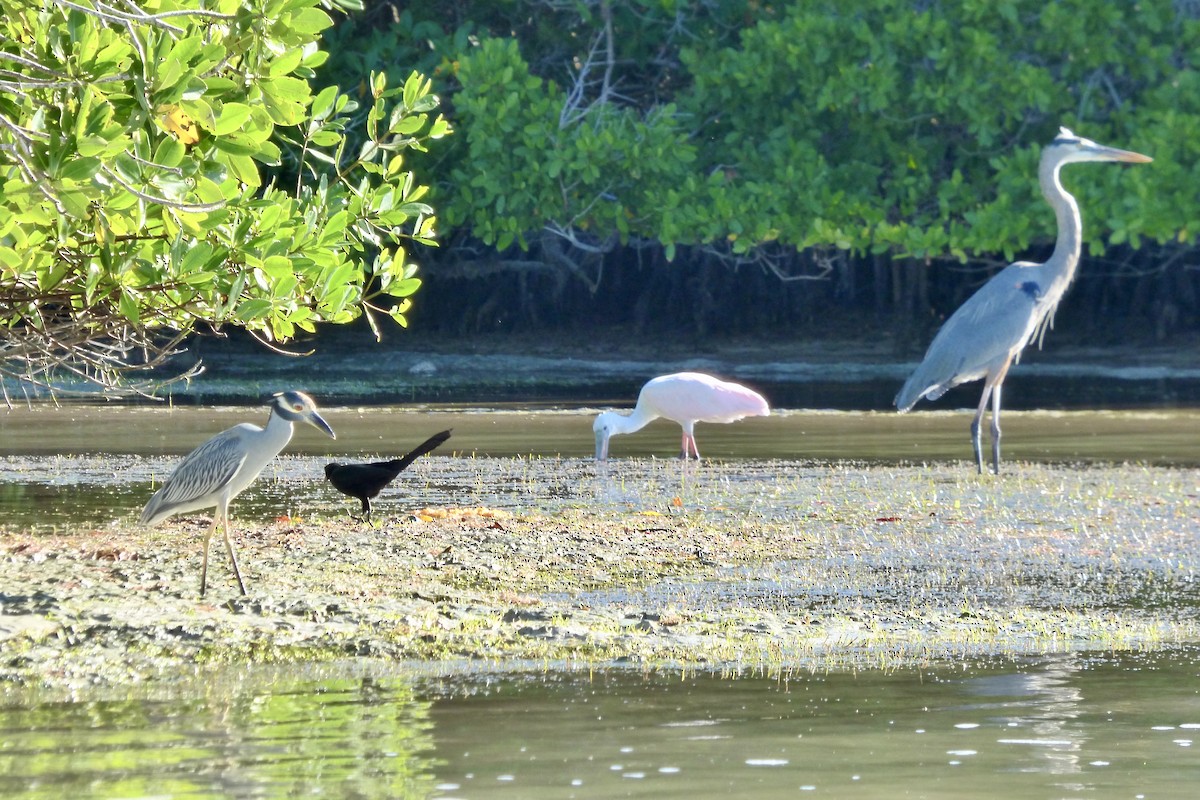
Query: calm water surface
(1068, 726)
(93, 464)
(1167, 435)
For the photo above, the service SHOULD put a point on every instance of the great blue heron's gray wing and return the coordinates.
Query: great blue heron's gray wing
(995, 320)
(202, 474)
(980, 335)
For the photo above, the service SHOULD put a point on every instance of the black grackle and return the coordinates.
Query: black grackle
(365, 481)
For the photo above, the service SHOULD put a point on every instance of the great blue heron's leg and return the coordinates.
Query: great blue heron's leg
(991, 390)
(996, 428)
(976, 444)
(995, 381)
(204, 562)
(237, 573)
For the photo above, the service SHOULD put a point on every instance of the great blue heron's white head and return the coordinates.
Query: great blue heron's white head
(299, 407)
(1067, 148)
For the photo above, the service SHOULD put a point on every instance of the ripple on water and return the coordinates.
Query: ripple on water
(342, 723)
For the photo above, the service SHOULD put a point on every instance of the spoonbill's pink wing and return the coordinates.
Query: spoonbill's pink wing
(701, 398)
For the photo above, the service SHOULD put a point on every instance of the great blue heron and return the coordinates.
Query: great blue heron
(986, 335)
(365, 481)
(218, 470)
(686, 398)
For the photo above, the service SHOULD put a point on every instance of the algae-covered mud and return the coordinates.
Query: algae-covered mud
(771, 565)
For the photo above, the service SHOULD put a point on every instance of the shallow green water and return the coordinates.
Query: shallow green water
(86, 464)
(1167, 436)
(1064, 726)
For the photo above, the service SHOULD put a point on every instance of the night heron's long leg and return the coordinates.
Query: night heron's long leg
(229, 549)
(204, 563)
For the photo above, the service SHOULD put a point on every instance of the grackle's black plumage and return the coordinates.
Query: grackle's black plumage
(365, 481)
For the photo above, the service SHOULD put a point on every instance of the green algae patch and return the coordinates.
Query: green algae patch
(771, 566)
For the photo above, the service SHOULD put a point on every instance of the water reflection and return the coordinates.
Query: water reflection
(1081, 724)
(343, 737)
(1041, 708)
(1027, 730)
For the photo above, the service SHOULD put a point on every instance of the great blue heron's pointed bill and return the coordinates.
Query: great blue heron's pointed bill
(1077, 148)
(1115, 154)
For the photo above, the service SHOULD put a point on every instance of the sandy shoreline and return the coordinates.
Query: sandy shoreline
(784, 568)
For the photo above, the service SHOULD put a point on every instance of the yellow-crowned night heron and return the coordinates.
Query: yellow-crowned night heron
(218, 470)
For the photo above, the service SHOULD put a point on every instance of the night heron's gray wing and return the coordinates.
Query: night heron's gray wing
(200, 478)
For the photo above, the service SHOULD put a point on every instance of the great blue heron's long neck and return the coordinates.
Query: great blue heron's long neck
(1062, 262)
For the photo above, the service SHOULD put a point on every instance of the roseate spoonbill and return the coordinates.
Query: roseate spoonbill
(365, 481)
(987, 333)
(686, 398)
(218, 470)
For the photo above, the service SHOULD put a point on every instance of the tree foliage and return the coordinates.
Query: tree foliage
(169, 165)
(758, 132)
